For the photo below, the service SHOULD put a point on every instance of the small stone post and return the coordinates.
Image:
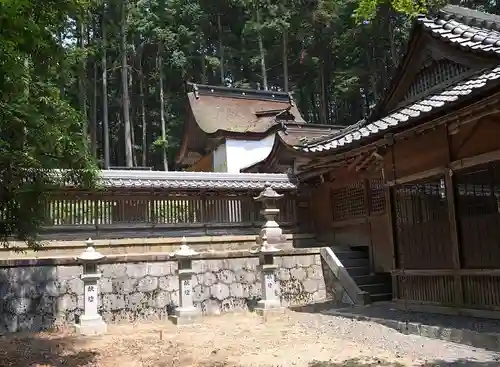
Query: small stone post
(270, 236)
(185, 313)
(91, 323)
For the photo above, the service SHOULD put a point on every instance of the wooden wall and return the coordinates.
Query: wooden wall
(351, 211)
(446, 214)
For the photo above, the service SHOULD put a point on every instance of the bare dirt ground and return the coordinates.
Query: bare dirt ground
(241, 340)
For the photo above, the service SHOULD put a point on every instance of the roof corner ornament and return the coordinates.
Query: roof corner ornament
(290, 99)
(196, 93)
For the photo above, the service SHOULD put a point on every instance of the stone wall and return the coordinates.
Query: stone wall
(37, 294)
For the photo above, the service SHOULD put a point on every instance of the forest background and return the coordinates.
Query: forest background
(99, 83)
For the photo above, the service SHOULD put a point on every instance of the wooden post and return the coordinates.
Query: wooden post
(368, 209)
(452, 216)
(390, 218)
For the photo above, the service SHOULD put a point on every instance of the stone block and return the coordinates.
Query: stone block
(168, 283)
(147, 284)
(139, 270)
(225, 276)
(219, 291)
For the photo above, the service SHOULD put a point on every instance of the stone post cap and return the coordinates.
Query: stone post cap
(185, 250)
(90, 253)
(268, 193)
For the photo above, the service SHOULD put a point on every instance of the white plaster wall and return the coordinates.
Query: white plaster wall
(220, 159)
(243, 153)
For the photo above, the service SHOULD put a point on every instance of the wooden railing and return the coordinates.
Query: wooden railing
(478, 288)
(126, 213)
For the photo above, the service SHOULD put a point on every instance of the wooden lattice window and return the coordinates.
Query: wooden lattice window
(349, 202)
(436, 73)
(377, 196)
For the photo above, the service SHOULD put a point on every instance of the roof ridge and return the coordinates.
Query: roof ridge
(248, 93)
(470, 17)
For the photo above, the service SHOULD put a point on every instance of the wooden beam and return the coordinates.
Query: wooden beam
(456, 125)
(446, 272)
(364, 163)
(355, 162)
(439, 171)
(475, 160)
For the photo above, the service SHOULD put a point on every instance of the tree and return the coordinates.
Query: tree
(39, 131)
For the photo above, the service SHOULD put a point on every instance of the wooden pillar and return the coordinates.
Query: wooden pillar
(366, 189)
(452, 216)
(391, 175)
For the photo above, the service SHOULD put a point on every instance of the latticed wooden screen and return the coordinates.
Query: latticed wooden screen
(349, 202)
(422, 226)
(377, 196)
(438, 72)
(478, 215)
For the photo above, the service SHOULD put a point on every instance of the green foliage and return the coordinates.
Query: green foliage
(39, 131)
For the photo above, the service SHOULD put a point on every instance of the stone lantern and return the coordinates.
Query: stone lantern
(185, 313)
(91, 323)
(270, 236)
(271, 229)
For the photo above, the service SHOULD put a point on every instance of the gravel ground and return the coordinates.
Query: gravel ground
(388, 311)
(242, 340)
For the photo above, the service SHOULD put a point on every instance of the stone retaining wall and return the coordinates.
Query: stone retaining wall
(38, 294)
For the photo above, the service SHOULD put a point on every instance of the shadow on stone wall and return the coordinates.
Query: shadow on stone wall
(23, 351)
(28, 298)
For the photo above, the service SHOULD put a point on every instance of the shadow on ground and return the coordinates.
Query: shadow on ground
(378, 362)
(472, 331)
(33, 350)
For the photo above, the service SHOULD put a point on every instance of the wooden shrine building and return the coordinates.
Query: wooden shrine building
(418, 182)
(230, 129)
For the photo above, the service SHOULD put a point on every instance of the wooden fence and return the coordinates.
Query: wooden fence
(125, 213)
(133, 203)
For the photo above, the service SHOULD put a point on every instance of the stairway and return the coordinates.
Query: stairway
(356, 262)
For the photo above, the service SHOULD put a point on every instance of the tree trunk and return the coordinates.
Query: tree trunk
(82, 78)
(143, 112)
(93, 122)
(125, 95)
(285, 60)
(162, 108)
(133, 109)
(322, 95)
(221, 50)
(104, 66)
(262, 53)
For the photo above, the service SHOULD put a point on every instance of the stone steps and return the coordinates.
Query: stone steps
(356, 262)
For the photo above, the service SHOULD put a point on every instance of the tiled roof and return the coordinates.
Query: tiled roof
(194, 180)
(465, 28)
(236, 110)
(432, 103)
(299, 134)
